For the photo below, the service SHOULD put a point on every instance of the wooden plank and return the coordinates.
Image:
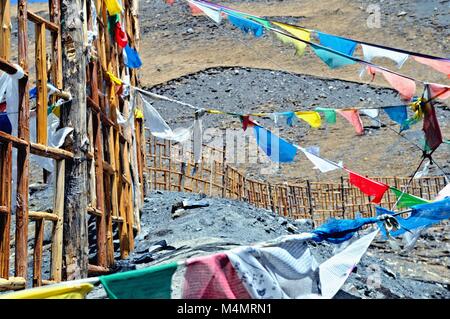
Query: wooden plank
(12, 283)
(43, 216)
(37, 256)
(55, 18)
(94, 211)
(57, 235)
(5, 200)
(50, 152)
(23, 153)
(33, 17)
(41, 85)
(17, 142)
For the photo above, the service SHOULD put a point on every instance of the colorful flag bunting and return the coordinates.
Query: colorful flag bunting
(404, 86)
(423, 215)
(148, 283)
(246, 25)
(398, 114)
(368, 186)
(60, 291)
(212, 277)
(310, 117)
(132, 58)
(113, 7)
(352, 116)
(289, 116)
(331, 59)
(407, 200)
(439, 91)
(322, 164)
(121, 36)
(433, 135)
(297, 32)
(330, 114)
(276, 148)
(440, 65)
(371, 52)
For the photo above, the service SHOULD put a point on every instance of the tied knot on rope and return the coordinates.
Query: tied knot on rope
(390, 222)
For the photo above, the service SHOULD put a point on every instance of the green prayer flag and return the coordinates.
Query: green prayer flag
(407, 200)
(264, 22)
(447, 142)
(148, 283)
(330, 114)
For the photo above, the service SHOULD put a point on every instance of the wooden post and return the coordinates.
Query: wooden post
(23, 153)
(75, 237)
(5, 23)
(308, 190)
(57, 236)
(5, 201)
(343, 197)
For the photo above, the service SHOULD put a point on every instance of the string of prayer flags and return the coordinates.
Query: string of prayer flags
(330, 114)
(132, 58)
(404, 86)
(113, 7)
(147, 283)
(60, 291)
(246, 25)
(121, 35)
(352, 116)
(439, 91)
(276, 148)
(297, 32)
(211, 13)
(371, 52)
(338, 44)
(440, 65)
(322, 164)
(405, 200)
(212, 277)
(398, 114)
(368, 186)
(433, 135)
(423, 215)
(310, 117)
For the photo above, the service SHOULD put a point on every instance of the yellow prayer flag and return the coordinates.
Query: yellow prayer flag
(115, 79)
(214, 112)
(113, 7)
(297, 32)
(69, 291)
(138, 114)
(311, 117)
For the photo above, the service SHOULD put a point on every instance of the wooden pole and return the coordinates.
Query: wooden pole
(58, 209)
(23, 153)
(75, 237)
(5, 23)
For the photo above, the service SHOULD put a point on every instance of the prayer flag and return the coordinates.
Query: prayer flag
(330, 114)
(59, 291)
(132, 60)
(404, 86)
(5, 123)
(195, 10)
(121, 36)
(398, 114)
(371, 52)
(275, 147)
(433, 135)
(212, 277)
(352, 116)
(440, 65)
(211, 13)
(368, 186)
(312, 118)
(322, 164)
(331, 59)
(113, 7)
(245, 24)
(297, 32)
(148, 283)
(338, 44)
(407, 200)
(439, 91)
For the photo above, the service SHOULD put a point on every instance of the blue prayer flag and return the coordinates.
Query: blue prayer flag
(33, 93)
(275, 147)
(338, 44)
(247, 25)
(337, 231)
(398, 114)
(5, 123)
(422, 215)
(133, 60)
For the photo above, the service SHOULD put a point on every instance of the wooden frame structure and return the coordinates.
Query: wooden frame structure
(318, 201)
(115, 153)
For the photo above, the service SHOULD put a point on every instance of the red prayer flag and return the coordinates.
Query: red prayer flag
(246, 122)
(368, 186)
(433, 135)
(212, 277)
(170, 2)
(437, 64)
(439, 91)
(121, 36)
(353, 117)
